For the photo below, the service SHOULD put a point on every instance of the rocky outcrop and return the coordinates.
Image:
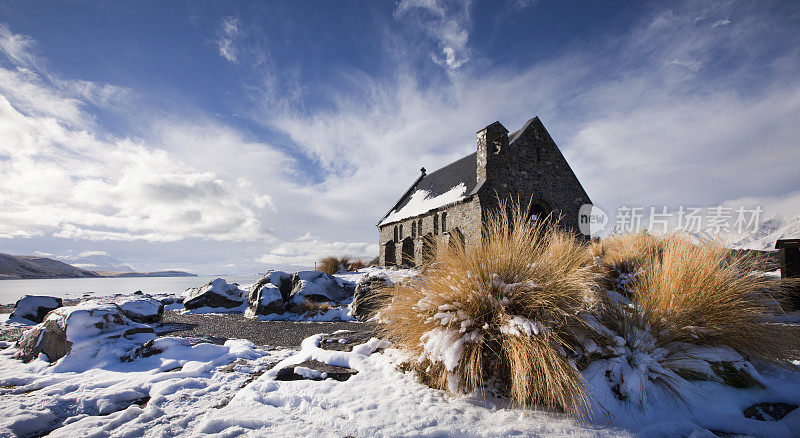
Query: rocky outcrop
(67, 326)
(269, 293)
(141, 309)
(369, 296)
(34, 308)
(217, 293)
(316, 286)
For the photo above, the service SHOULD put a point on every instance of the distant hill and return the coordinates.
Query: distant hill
(12, 267)
(24, 267)
(148, 274)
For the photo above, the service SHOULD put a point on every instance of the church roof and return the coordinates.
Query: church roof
(452, 183)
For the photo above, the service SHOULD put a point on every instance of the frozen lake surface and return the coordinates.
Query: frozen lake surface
(12, 290)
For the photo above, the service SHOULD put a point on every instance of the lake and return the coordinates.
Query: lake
(12, 290)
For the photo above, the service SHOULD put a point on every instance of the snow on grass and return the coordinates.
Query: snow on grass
(420, 203)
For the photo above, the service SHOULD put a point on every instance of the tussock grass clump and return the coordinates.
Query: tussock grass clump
(311, 308)
(688, 306)
(332, 264)
(702, 294)
(621, 258)
(355, 265)
(500, 312)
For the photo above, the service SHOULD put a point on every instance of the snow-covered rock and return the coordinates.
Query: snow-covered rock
(33, 308)
(368, 297)
(63, 328)
(316, 286)
(217, 293)
(268, 294)
(141, 309)
(314, 370)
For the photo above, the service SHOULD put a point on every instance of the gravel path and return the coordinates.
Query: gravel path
(218, 328)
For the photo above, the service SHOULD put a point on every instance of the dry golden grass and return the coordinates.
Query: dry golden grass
(485, 298)
(356, 265)
(311, 308)
(702, 294)
(620, 258)
(331, 264)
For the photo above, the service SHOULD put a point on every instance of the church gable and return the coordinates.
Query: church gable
(449, 204)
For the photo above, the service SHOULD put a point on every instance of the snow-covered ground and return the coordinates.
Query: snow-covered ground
(204, 389)
(191, 388)
(161, 395)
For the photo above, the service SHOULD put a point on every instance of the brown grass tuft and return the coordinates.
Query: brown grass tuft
(311, 308)
(500, 311)
(356, 265)
(702, 294)
(332, 264)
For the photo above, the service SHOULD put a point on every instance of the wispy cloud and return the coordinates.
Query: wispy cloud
(227, 34)
(661, 135)
(447, 23)
(18, 48)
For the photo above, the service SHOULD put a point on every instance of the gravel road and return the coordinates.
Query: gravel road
(218, 328)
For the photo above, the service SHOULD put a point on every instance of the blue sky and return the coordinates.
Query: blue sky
(234, 137)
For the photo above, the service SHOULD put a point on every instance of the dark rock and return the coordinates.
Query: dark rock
(146, 350)
(315, 370)
(344, 340)
(370, 295)
(34, 307)
(279, 279)
(769, 411)
(317, 286)
(268, 294)
(48, 338)
(217, 293)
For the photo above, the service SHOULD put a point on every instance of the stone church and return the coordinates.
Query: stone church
(448, 206)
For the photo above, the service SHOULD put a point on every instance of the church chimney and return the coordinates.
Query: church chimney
(491, 141)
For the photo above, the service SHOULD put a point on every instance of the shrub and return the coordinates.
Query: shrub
(331, 264)
(688, 305)
(500, 312)
(355, 265)
(621, 258)
(311, 308)
(702, 294)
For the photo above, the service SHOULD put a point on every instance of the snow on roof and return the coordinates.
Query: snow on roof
(419, 203)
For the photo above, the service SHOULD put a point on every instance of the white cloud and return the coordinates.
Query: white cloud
(448, 24)
(229, 31)
(18, 48)
(307, 249)
(635, 130)
(64, 177)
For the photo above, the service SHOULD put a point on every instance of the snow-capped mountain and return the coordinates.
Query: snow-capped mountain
(102, 262)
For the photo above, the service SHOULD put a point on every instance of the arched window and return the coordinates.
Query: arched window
(401, 231)
(395, 233)
(436, 224)
(413, 228)
(444, 222)
(419, 227)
